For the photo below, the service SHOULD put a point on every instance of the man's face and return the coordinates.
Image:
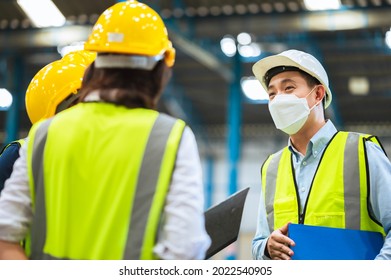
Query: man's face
(289, 82)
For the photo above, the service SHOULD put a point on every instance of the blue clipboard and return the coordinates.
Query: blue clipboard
(326, 243)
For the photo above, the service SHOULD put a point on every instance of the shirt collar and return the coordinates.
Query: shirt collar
(318, 142)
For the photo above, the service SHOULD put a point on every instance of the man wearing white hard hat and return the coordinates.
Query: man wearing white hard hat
(324, 177)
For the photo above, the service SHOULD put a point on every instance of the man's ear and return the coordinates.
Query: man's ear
(320, 92)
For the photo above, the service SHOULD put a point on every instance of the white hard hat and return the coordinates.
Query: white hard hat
(293, 58)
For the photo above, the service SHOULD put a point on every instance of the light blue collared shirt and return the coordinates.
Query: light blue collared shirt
(305, 168)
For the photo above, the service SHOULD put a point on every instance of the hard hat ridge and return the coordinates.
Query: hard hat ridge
(131, 28)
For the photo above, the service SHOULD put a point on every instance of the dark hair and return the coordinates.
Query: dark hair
(124, 86)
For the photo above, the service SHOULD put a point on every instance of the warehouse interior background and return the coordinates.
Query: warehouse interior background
(217, 42)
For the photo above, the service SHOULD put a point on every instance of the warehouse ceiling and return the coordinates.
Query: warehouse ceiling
(349, 42)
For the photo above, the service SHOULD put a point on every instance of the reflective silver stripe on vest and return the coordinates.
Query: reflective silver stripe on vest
(147, 183)
(352, 182)
(38, 230)
(270, 188)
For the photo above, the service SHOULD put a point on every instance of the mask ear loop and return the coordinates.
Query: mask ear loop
(316, 104)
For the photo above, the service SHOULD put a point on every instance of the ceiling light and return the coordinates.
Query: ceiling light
(190, 11)
(251, 50)
(228, 10)
(253, 89)
(178, 12)
(245, 51)
(42, 13)
(267, 7)
(376, 2)
(362, 3)
(358, 85)
(293, 6)
(253, 8)
(228, 46)
(5, 99)
(241, 9)
(320, 5)
(215, 10)
(388, 38)
(280, 7)
(244, 38)
(202, 11)
(166, 13)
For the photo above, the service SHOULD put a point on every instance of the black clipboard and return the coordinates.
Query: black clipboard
(223, 221)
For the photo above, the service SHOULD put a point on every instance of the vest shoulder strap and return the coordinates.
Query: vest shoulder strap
(265, 165)
(375, 140)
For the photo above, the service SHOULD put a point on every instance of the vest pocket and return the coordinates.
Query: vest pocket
(328, 219)
(285, 210)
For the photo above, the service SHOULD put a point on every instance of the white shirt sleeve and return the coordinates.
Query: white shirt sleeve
(183, 235)
(15, 202)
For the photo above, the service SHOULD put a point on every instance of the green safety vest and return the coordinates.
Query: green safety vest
(98, 189)
(338, 195)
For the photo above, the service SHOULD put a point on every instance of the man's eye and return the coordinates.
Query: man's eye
(271, 95)
(288, 88)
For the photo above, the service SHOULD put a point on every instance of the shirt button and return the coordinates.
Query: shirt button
(304, 163)
(316, 152)
(302, 189)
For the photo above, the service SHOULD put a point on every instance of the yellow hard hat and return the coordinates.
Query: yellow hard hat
(56, 82)
(131, 28)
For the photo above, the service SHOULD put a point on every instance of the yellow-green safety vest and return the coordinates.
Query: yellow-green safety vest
(98, 189)
(338, 195)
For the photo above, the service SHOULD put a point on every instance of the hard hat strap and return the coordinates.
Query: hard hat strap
(67, 102)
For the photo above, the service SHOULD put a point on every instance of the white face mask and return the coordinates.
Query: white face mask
(290, 112)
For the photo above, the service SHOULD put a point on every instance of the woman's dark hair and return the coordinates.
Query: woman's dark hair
(124, 86)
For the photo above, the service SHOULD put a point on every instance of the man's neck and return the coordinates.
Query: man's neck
(301, 139)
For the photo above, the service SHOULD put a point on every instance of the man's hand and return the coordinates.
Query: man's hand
(278, 244)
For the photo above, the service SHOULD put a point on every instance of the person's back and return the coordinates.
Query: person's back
(110, 174)
(111, 177)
